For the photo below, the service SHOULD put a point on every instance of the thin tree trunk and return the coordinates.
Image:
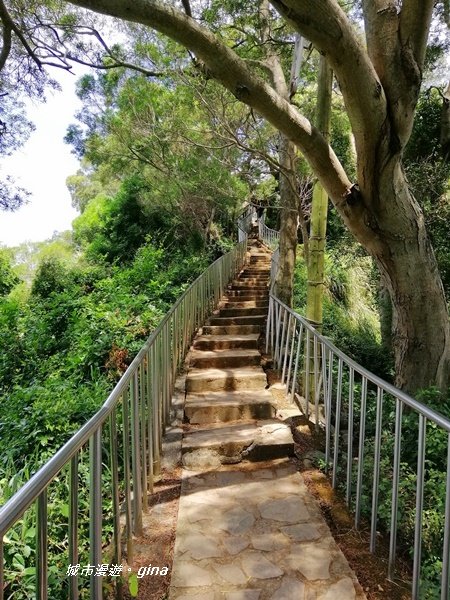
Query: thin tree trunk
(319, 208)
(289, 222)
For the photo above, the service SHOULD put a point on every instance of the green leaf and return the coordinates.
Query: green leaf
(133, 585)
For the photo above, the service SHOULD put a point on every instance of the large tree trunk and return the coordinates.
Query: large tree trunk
(400, 245)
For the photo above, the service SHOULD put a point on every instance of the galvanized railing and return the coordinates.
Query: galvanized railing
(255, 215)
(370, 426)
(270, 237)
(123, 442)
(245, 221)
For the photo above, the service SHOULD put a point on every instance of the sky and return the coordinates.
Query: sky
(42, 166)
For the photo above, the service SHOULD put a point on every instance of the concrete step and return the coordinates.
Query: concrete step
(245, 285)
(246, 440)
(220, 407)
(260, 259)
(257, 294)
(227, 330)
(244, 320)
(226, 342)
(239, 303)
(241, 312)
(245, 277)
(215, 380)
(232, 299)
(224, 359)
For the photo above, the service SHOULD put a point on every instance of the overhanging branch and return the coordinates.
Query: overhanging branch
(230, 70)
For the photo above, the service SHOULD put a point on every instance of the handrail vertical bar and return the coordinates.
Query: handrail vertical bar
(376, 470)
(395, 487)
(41, 546)
(2, 577)
(73, 525)
(95, 512)
(283, 374)
(362, 435)
(328, 402)
(337, 423)
(143, 444)
(297, 359)
(113, 446)
(348, 492)
(291, 358)
(445, 579)
(419, 507)
(149, 423)
(306, 371)
(135, 458)
(126, 474)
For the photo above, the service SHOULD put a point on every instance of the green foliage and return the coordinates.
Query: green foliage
(350, 316)
(8, 278)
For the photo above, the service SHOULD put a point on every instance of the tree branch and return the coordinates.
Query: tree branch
(6, 47)
(415, 21)
(8, 22)
(327, 26)
(396, 42)
(187, 7)
(230, 70)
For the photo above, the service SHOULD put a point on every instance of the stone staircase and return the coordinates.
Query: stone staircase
(247, 527)
(230, 412)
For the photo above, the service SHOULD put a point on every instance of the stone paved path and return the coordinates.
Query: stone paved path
(254, 532)
(248, 530)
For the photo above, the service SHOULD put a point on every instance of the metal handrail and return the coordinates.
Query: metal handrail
(142, 401)
(313, 368)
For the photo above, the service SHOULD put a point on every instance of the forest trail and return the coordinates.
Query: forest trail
(248, 529)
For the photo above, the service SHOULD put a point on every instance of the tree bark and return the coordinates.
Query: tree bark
(420, 324)
(288, 221)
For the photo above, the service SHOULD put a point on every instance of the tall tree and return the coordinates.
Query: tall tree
(319, 206)
(380, 83)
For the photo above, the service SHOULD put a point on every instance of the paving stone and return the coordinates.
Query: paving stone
(243, 595)
(263, 474)
(196, 513)
(230, 477)
(259, 567)
(311, 560)
(187, 574)
(236, 520)
(342, 590)
(269, 541)
(231, 573)
(290, 589)
(235, 544)
(288, 510)
(302, 533)
(201, 546)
